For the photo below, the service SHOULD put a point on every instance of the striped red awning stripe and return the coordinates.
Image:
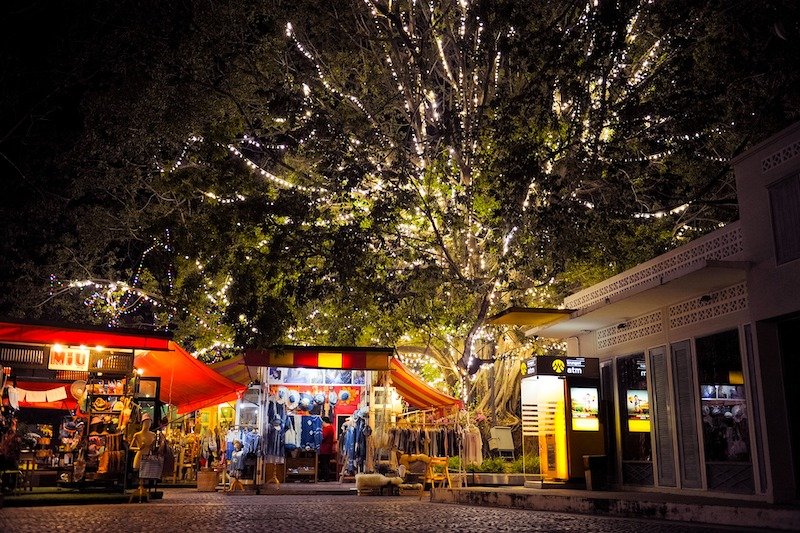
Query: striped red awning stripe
(416, 392)
(235, 370)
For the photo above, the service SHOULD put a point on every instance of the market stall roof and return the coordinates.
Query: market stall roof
(338, 357)
(71, 335)
(186, 383)
(236, 370)
(415, 391)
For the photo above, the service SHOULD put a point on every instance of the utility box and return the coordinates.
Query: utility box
(501, 441)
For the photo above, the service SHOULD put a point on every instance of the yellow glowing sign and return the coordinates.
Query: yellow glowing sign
(558, 366)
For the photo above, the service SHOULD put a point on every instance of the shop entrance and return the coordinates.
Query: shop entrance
(789, 334)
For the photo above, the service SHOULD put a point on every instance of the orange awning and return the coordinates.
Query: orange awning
(415, 391)
(187, 383)
(236, 370)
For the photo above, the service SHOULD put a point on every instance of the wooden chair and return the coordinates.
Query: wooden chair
(438, 471)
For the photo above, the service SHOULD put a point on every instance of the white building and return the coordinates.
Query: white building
(706, 340)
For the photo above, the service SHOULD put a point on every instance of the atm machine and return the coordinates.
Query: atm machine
(560, 414)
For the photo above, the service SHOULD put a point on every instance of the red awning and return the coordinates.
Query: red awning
(415, 391)
(236, 370)
(186, 383)
(72, 336)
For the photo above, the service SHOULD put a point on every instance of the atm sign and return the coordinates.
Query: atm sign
(76, 359)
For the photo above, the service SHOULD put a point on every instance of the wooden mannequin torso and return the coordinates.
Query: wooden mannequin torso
(142, 441)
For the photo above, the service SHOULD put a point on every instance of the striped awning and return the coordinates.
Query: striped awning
(416, 392)
(336, 357)
(235, 370)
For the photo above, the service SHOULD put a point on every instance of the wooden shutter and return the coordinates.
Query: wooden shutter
(686, 416)
(784, 199)
(664, 449)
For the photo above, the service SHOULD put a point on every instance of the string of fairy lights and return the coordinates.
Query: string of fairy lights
(466, 57)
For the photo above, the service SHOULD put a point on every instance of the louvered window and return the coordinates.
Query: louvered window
(686, 416)
(661, 405)
(784, 198)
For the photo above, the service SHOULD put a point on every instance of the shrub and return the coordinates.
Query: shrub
(524, 465)
(492, 465)
(454, 464)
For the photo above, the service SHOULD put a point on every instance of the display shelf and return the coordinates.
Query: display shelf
(304, 466)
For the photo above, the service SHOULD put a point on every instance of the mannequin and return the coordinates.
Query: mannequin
(142, 441)
(236, 466)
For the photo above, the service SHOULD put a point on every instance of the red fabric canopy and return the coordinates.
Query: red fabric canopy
(416, 392)
(186, 382)
(72, 336)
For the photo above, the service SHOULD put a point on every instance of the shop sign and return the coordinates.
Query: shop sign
(548, 365)
(75, 359)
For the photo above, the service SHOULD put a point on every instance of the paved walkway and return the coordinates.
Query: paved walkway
(184, 510)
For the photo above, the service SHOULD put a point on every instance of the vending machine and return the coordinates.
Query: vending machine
(561, 414)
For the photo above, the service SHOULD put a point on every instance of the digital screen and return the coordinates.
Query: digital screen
(638, 403)
(585, 402)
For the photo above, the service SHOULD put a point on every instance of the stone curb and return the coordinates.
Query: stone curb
(640, 507)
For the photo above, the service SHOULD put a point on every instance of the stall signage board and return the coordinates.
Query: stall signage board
(550, 365)
(69, 359)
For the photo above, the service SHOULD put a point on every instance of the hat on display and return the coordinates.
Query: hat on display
(118, 406)
(344, 395)
(100, 404)
(319, 398)
(96, 420)
(306, 400)
(293, 399)
(283, 395)
(333, 397)
(146, 416)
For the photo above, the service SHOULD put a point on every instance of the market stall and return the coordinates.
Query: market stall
(302, 387)
(85, 392)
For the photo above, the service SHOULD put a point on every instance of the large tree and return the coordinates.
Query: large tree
(393, 172)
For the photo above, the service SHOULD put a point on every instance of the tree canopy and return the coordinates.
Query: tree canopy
(368, 171)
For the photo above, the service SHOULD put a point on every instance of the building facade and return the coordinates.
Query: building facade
(699, 347)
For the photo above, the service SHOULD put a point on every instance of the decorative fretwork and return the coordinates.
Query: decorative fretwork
(722, 302)
(637, 328)
(780, 157)
(22, 355)
(637, 473)
(731, 477)
(717, 246)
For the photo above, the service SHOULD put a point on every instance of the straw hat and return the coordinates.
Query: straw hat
(100, 404)
(146, 416)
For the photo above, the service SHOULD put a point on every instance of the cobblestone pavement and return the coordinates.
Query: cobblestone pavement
(185, 511)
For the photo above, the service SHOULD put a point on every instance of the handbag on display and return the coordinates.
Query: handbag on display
(151, 467)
